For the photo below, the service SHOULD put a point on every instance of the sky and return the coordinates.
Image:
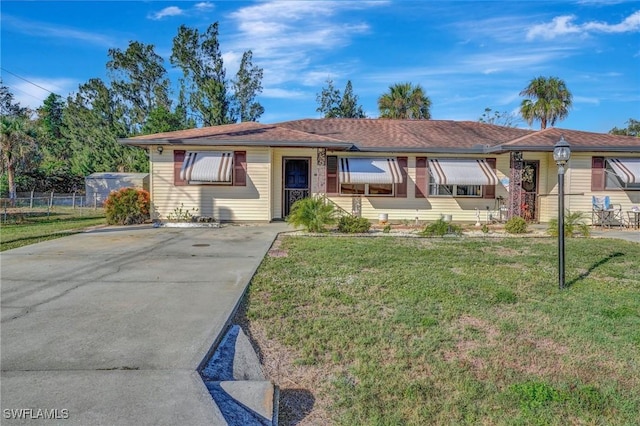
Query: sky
(467, 56)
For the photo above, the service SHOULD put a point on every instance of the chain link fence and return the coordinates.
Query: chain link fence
(40, 203)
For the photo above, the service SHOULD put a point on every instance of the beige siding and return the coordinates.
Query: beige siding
(578, 185)
(431, 208)
(262, 198)
(223, 202)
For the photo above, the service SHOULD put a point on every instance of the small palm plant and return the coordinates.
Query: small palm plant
(574, 224)
(312, 213)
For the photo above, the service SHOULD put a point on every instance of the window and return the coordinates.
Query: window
(370, 176)
(210, 167)
(462, 177)
(454, 190)
(374, 189)
(622, 173)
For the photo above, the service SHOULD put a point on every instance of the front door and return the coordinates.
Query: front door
(296, 182)
(530, 191)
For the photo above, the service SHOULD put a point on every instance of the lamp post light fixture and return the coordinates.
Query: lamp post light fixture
(561, 154)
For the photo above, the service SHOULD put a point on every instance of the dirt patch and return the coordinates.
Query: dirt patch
(275, 250)
(524, 353)
(301, 386)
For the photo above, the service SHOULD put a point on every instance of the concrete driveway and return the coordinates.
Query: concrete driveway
(108, 327)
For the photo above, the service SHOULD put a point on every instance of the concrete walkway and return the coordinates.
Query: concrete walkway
(109, 327)
(628, 234)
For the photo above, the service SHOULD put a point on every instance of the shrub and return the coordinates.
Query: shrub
(312, 213)
(574, 223)
(440, 228)
(127, 206)
(353, 224)
(182, 214)
(516, 225)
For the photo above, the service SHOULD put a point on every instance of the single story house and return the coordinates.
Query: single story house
(406, 169)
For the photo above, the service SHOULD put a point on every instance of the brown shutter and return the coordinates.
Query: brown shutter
(422, 182)
(598, 179)
(332, 174)
(178, 159)
(489, 191)
(401, 188)
(239, 168)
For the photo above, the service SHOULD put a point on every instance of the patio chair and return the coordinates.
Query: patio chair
(604, 213)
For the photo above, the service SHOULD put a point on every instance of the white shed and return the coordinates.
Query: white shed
(98, 186)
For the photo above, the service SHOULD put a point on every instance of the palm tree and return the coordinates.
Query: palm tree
(404, 101)
(549, 101)
(16, 142)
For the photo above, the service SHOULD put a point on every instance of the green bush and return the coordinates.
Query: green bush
(353, 224)
(516, 225)
(182, 214)
(312, 213)
(574, 224)
(440, 228)
(127, 206)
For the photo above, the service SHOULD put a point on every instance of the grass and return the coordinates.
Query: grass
(413, 331)
(24, 228)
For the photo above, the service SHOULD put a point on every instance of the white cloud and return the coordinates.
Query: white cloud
(204, 6)
(45, 30)
(33, 92)
(586, 100)
(284, 93)
(564, 25)
(630, 24)
(560, 25)
(167, 11)
(288, 39)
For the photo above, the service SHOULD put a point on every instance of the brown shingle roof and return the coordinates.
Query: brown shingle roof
(236, 134)
(415, 134)
(577, 139)
(390, 135)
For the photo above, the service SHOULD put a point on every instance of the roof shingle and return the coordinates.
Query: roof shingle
(390, 135)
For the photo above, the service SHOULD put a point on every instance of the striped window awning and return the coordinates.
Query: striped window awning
(370, 170)
(207, 166)
(627, 169)
(462, 172)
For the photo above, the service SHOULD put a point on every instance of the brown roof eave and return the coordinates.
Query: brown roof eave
(424, 150)
(602, 148)
(208, 142)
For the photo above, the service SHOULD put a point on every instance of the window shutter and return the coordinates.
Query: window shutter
(178, 159)
(489, 191)
(239, 168)
(332, 174)
(422, 184)
(401, 188)
(598, 179)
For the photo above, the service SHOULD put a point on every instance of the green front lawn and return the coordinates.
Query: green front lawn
(24, 228)
(455, 331)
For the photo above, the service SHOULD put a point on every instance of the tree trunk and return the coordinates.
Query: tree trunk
(12, 183)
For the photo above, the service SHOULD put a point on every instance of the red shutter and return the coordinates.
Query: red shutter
(239, 168)
(178, 159)
(422, 183)
(401, 188)
(598, 179)
(332, 174)
(489, 191)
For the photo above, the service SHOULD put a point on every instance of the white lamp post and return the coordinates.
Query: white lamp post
(561, 154)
